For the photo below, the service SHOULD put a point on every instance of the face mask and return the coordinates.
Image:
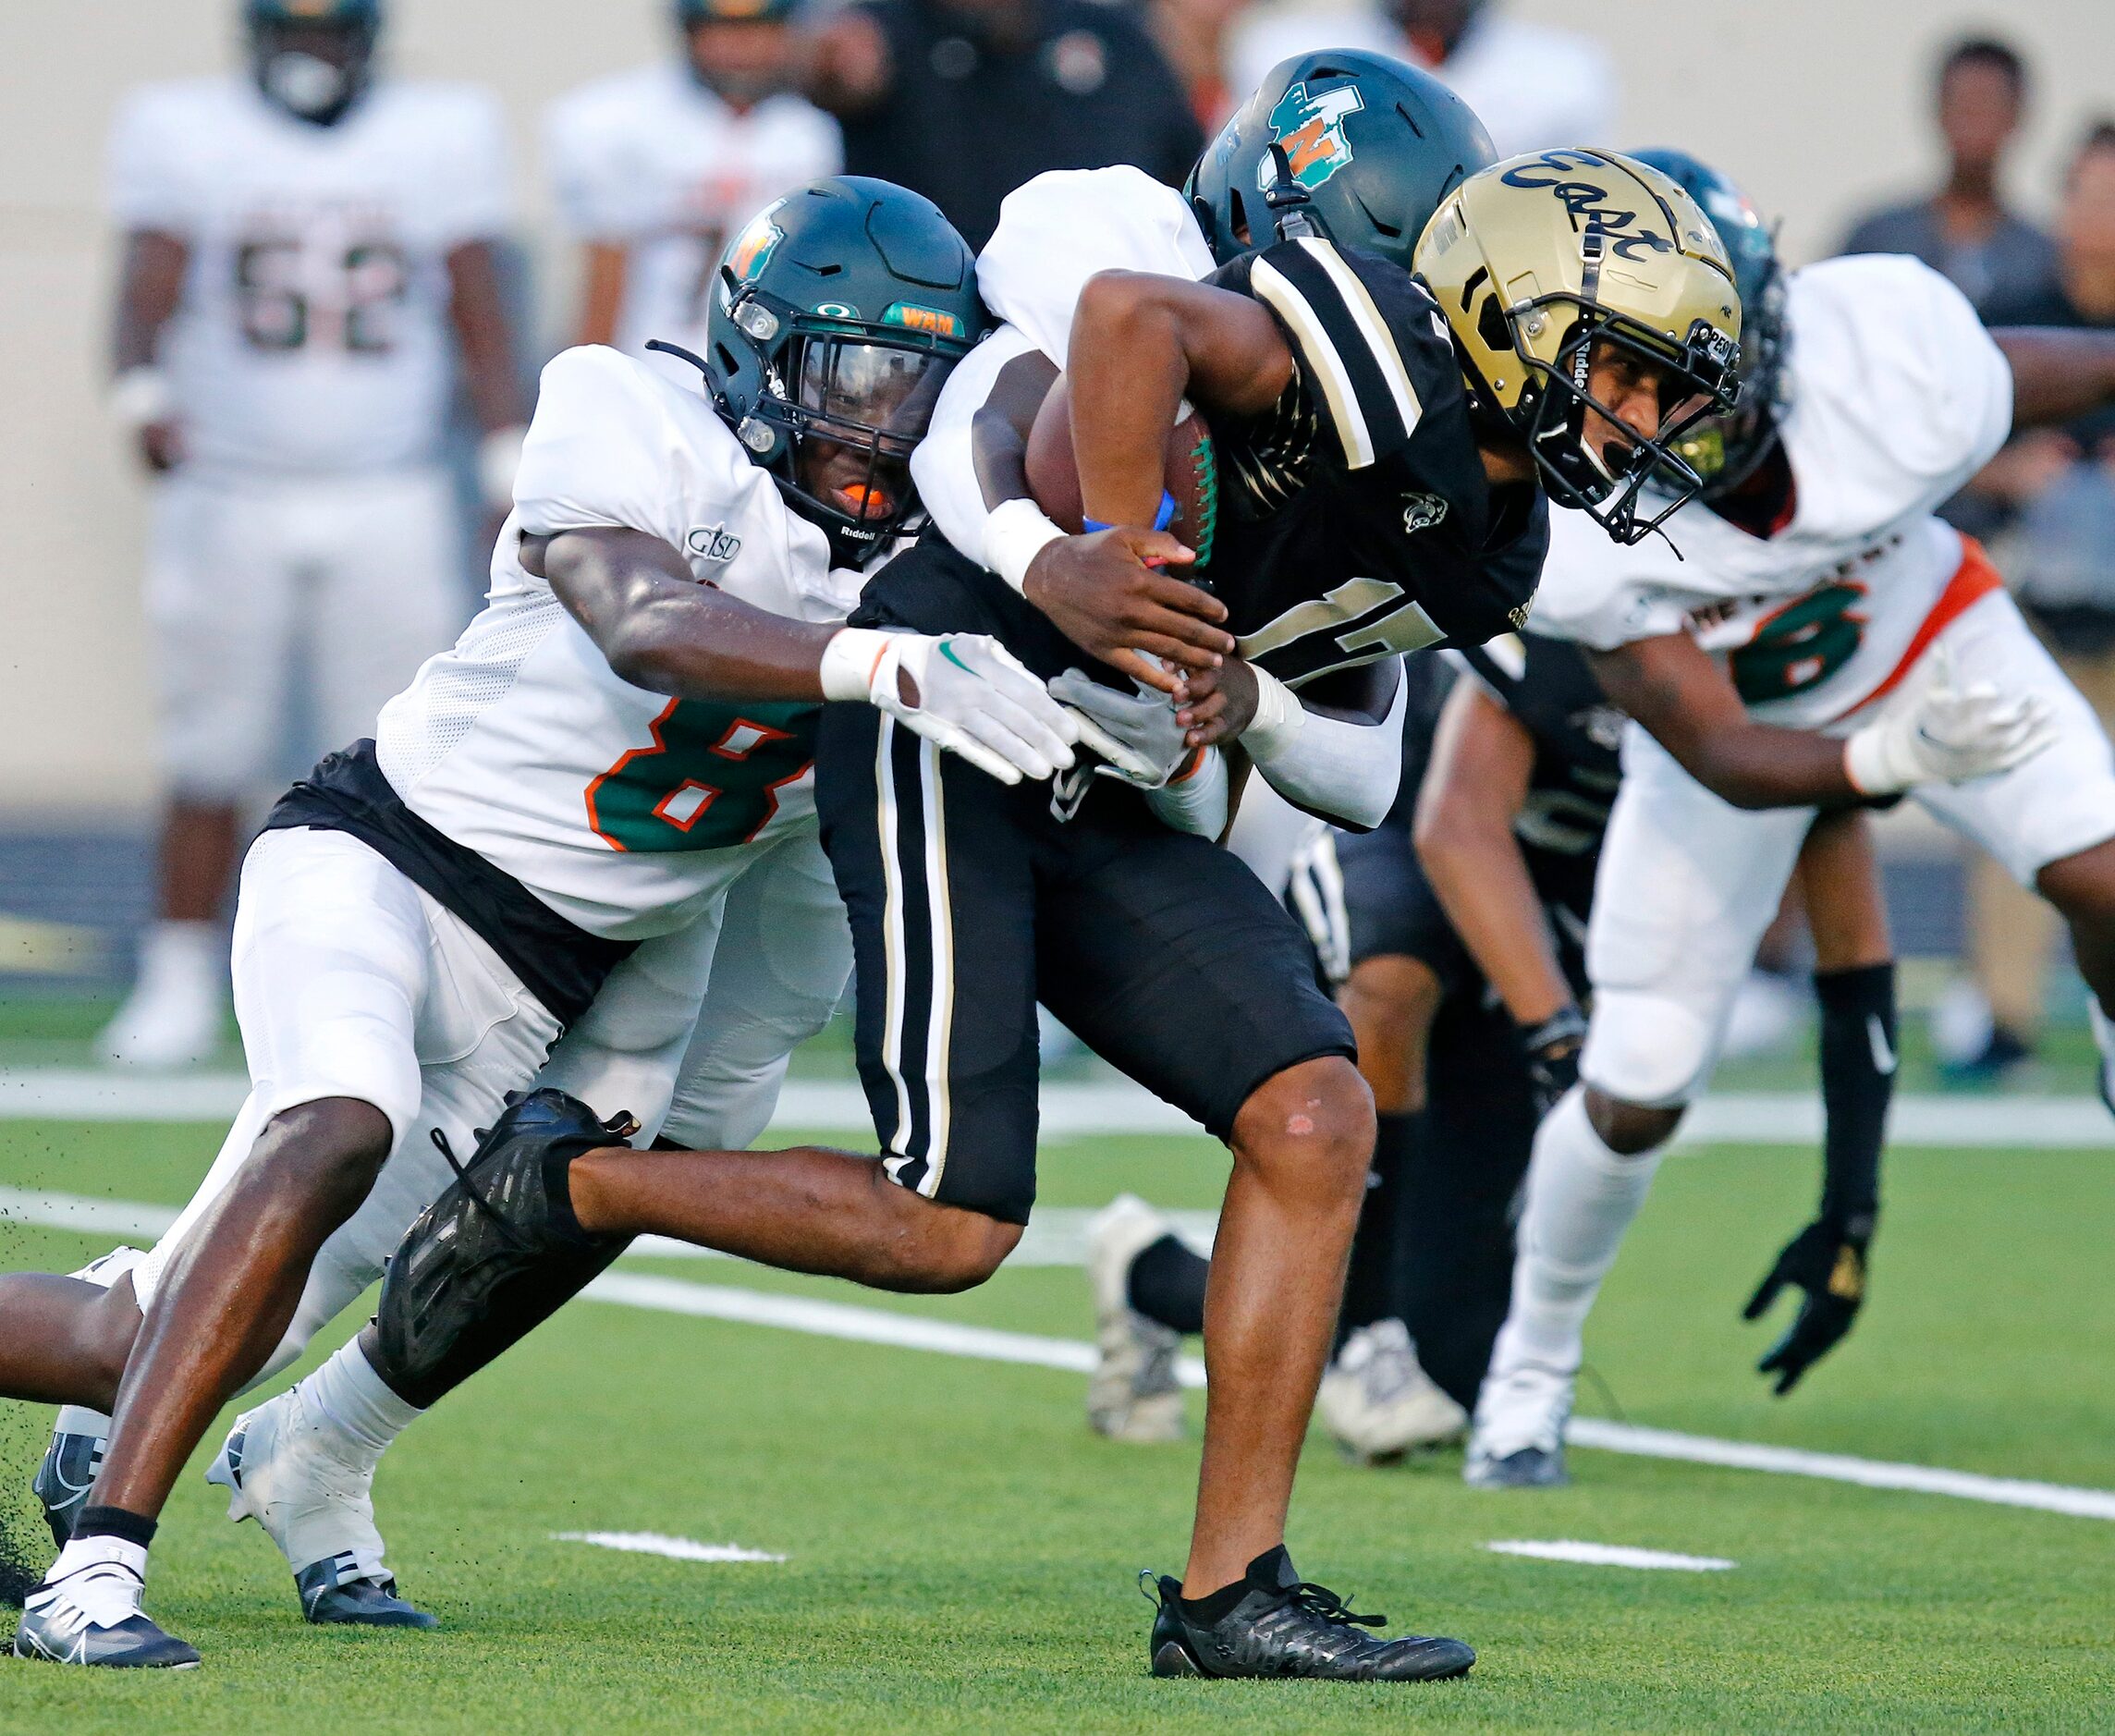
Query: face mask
(743, 90)
(306, 86)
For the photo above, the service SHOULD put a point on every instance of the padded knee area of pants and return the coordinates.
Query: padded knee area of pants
(1647, 1049)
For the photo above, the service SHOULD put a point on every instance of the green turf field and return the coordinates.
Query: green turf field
(961, 1551)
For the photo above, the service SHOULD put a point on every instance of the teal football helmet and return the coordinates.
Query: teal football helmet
(1374, 144)
(838, 313)
(1725, 450)
(313, 58)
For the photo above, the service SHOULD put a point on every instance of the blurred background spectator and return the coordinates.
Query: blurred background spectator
(963, 100)
(1532, 86)
(1965, 229)
(307, 252)
(654, 169)
(2055, 491)
(1193, 36)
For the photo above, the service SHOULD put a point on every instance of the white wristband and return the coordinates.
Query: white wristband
(1015, 534)
(142, 396)
(1278, 717)
(1867, 763)
(498, 458)
(849, 661)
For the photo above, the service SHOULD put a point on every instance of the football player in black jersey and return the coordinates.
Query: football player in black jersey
(1460, 924)
(970, 901)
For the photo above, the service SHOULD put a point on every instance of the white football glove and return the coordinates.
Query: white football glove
(1136, 734)
(974, 698)
(1946, 734)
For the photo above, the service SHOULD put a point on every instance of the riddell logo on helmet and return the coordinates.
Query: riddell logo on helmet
(1310, 126)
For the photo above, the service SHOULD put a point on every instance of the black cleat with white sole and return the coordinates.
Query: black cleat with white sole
(1284, 1626)
(92, 1617)
(499, 1250)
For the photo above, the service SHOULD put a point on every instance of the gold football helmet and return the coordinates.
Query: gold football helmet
(1541, 260)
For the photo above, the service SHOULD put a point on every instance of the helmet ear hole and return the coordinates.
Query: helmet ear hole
(1241, 216)
(1491, 324)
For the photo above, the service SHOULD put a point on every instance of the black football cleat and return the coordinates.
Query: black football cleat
(93, 1616)
(501, 1247)
(63, 1479)
(1283, 1626)
(330, 1600)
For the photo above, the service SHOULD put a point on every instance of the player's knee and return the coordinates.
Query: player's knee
(2082, 886)
(326, 1153)
(1630, 1128)
(1313, 1124)
(1647, 1049)
(110, 1326)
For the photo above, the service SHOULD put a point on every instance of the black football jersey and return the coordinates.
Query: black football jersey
(1355, 519)
(1547, 684)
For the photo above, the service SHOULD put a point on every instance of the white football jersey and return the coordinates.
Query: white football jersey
(627, 812)
(314, 331)
(653, 162)
(1896, 398)
(1054, 233)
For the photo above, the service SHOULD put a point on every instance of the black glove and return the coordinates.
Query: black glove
(1828, 1261)
(1552, 1050)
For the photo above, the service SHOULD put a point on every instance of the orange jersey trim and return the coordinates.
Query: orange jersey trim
(1972, 581)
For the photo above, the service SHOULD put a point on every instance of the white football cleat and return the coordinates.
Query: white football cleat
(279, 1469)
(1378, 1401)
(172, 1016)
(1519, 1437)
(1133, 1395)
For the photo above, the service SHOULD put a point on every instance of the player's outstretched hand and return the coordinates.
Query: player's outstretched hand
(1946, 734)
(1136, 734)
(1218, 705)
(1828, 1263)
(968, 694)
(1107, 594)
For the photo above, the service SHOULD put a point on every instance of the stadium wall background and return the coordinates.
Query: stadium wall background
(1817, 107)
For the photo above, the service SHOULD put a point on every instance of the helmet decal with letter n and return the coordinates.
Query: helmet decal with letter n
(840, 311)
(1375, 145)
(1548, 263)
(313, 58)
(1726, 450)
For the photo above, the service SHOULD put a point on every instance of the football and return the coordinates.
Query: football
(1191, 473)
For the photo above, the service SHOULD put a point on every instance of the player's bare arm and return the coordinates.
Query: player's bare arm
(151, 288)
(2058, 373)
(1685, 698)
(484, 337)
(1474, 787)
(1098, 590)
(1141, 345)
(606, 274)
(662, 630)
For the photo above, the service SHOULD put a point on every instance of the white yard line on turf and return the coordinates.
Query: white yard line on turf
(1614, 1555)
(876, 1325)
(656, 1543)
(1098, 1110)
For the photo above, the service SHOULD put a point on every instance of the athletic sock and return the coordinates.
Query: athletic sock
(106, 1534)
(1580, 1198)
(1375, 1286)
(1857, 1083)
(353, 1407)
(1167, 1284)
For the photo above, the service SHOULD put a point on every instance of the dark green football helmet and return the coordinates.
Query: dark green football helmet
(1375, 144)
(839, 311)
(1726, 449)
(312, 57)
